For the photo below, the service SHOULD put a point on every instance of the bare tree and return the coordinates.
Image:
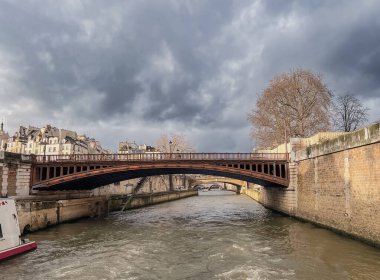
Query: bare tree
(348, 113)
(298, 101)
(174, 143)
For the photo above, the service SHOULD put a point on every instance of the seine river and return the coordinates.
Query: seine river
(217, 235)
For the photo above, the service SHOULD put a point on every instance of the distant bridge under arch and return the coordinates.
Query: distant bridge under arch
(219, 180)
(83, 172)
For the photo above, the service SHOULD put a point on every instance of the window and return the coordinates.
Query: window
(1, 232)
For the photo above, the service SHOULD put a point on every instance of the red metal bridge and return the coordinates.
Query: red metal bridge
(79, 172)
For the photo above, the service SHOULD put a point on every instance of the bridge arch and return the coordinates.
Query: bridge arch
(99, 177)
(217, 180)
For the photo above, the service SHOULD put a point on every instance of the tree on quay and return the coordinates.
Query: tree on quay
(174, 143)
(297, 101)
(348, 113)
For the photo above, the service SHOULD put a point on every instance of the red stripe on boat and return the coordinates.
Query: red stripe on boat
(17, 250)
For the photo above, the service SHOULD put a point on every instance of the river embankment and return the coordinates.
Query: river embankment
(39, 212)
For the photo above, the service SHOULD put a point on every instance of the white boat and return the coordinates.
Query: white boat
(11, 243)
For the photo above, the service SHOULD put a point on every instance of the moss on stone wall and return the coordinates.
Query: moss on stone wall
(364, 136)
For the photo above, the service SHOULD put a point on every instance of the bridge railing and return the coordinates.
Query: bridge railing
(158, 156)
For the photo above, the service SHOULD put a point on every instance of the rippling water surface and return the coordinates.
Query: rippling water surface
(217, 235)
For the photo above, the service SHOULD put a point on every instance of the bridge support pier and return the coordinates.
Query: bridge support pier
(171, 188)
(4, 181)
(277, 198)
(15, 174)
(238, 190)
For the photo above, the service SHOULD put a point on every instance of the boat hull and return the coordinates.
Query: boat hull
(17, 250)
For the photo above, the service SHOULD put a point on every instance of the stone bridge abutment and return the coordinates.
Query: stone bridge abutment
(15, 174)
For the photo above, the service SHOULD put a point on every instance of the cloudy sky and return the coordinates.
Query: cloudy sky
(134, 69)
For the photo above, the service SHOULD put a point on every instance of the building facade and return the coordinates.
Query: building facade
(50, 140)
(135, 149)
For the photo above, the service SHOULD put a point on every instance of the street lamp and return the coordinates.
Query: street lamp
(170, 148)
(183, 175)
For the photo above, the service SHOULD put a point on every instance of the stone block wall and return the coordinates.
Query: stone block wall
(152, 184)
(35, 214)
(277, 198)
(11, 187)
(79, 208)
(15, 172)
(156, 184)
(252, 193)
(16, 179)
(3, 179)
(342, 191)
(156, 198)
(339, 183)
(334, 183)
(23, 179)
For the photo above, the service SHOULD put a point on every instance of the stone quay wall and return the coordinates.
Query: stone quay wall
(142, 200)
(276, 198)
(35, 213)
(334, 183)
(15, 172)
(40, 212)
(339, 184)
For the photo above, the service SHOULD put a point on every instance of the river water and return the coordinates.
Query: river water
(217, 235)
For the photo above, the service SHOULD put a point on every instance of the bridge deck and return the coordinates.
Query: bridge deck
(159, 157)
(67, 171)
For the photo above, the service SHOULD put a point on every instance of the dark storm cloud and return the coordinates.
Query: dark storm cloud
(358, 56)
(122, 68)
(338, 39)
(57, 60)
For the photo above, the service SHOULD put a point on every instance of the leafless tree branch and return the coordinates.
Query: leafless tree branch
(298, 100)
(349, 113)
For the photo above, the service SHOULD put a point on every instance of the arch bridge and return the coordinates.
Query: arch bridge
(217, 180)
(79, 172)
